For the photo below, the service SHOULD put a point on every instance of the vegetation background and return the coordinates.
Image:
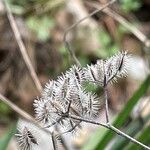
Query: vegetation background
(42, 24)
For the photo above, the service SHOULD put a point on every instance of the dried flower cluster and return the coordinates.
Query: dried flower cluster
(65, 99)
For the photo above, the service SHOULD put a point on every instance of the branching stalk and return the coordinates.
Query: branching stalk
(114, 129)
(122, 134)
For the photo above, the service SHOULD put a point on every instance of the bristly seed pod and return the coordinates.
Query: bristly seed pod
(25, 139)
(42, 110)
(76, 75)
(91, 104)
(105, 71)
(48, 90)
(56, 140)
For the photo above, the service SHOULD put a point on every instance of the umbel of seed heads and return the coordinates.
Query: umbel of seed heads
(65, 97)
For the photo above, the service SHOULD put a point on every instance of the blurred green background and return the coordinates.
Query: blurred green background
(42, 24)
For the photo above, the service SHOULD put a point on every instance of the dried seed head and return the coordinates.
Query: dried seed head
(41, 110)
(47, 110)
(76, 75)
(109, 70)
(62, 87)
(122, 63)
(48, 90)
(65, 96)
(91, 104)
(56, 140)
(26, 139)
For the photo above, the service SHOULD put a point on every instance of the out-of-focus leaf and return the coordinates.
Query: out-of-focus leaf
(4, 141)
(17, 9)
(132, 129)
(120, 119)
(4, 109)
(143, 137)
(128, 5)
(41, 26)
(93, 141)
(105, 38)
(107, 45)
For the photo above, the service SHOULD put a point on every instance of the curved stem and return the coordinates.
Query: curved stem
(127, 137)
(71, 52)
(75, 24)
(134, 30)
(114, 129)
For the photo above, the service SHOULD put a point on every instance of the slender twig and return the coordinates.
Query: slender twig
(106, 104)
(22, 47)
(48, 126)
(88, 121)
(111, 127)
(21, 112)
(75, 24)
(54, 142)
(18, 110)
(127, 137)
(106, 82)
(123, 22)
(71, 129)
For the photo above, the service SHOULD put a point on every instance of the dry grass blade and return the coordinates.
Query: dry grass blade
(123, 22)
(22, 48)
(19, 111)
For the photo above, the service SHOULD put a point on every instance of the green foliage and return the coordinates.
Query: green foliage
(4, 141)
(83, 59)
(41, 26)
(4, 109)
(27, 4)
(143, 137)
(132, 129)
(64, 54)
(130, 5)
(101, 139)
(108, 46)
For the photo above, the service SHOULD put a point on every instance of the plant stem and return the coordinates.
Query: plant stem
(114, 129)
(88, 121)
(127, 137)
(134, 30)
(106, 104)
(22, 47)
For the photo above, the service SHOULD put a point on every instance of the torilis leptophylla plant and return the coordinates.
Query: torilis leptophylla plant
(65, 104)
